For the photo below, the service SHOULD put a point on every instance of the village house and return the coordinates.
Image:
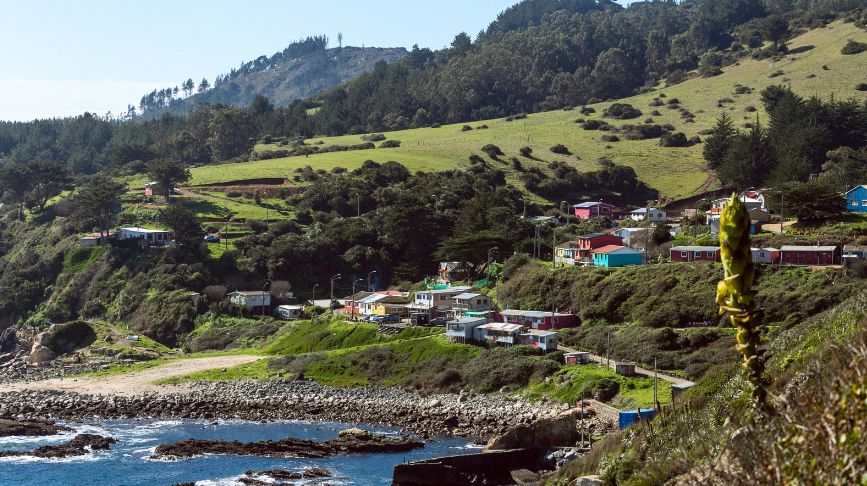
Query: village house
(452, 272)
(653, 215)
(852, 254)
(91, 240)
(149, 189)
(694, 254)
(254, 301)
(290, 311)
(437, 301)
(549, 220)
(541, 320)
(148, 237)
(625, 368)
(590, 210)
(756, 208)
(499, 333)
(765, 255)
(543, 340)
(566, 253)
(634, 237)
(363, 302)
(462, 330)
(810, 255)
(470, 302)
(577, 358)
(616, 256)
(856, 199)
(589, 242)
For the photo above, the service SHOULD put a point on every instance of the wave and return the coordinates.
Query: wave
(90, 457)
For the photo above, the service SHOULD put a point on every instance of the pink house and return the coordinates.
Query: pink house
(589, 210)
(541, 320)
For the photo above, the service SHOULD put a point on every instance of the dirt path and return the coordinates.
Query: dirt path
(137, 382)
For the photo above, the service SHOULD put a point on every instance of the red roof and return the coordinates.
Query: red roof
(608, 248)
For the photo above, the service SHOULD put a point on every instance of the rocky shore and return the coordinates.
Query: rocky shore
(80, 445)
(30, 428)
(467, 414)
(350, 441)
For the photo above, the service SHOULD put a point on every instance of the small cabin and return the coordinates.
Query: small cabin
(578, 358)
(624, 368)
(289, 312)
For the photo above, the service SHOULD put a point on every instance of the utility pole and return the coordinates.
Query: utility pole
(368, 280)
(357, 204)
(782, 209)
(263, 297)
(352, 309)
(554, 247)
(436, 203)
(333, 278)
(608, 351)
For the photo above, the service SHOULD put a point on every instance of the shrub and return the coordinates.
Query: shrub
(677, 139)
(606, 389)
(373, 137)
(436, 125)
(475, 159)
(655, 113)
(778, 72)
(861, 87)
(594, 125)
(390, 144)
(516, 164)
(853, 47)
(656, 102)
(694, 139)
(492, 150)
(750, 109)
(740, 89)
(466, 128)
(610, 138)
(621, 111)
(642, 132)
(587, 110)
(526, 151)
(482, 127)
(65, 338)
(560, 149)
(672, 101)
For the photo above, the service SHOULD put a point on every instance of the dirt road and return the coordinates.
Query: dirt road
(134, 383)
(639, 370)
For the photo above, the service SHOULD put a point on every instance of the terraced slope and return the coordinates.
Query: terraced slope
(814, 67)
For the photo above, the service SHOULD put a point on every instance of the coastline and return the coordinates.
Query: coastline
(464, 415)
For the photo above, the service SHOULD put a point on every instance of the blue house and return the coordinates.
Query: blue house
(856, 199)
(616, 256)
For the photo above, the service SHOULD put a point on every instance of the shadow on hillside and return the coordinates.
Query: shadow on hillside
(801, 49)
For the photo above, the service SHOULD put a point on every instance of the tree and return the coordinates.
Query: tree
(232, 133)
(17, 181)
(184, 224)
(168, 174)
(189, 85)
(96, 201)
(340, 39)
(461, 44)
(48, 179)
(812, 202)
(718, 143)
(471, 248)
(845, 167)
(204, 85)
(774, 29)
(748, 161)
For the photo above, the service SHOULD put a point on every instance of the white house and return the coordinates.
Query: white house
(654, 215)
(250, 300)
(498, 333)
(290, 311)
(438, 299)
(765, 255)
(151, 236)
(544, 340)
(462, 330)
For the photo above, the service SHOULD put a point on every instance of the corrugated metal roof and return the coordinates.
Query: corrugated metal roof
(608, 249)
(590, 204)
(695, 248)
(501, 326)
(466, 295)
(808, 248)
(528, 313)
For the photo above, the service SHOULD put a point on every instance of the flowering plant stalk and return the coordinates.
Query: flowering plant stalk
(735, 294)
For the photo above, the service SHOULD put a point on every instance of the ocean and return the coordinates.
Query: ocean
(128, 462)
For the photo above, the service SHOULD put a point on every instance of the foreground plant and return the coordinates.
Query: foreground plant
(735, 294)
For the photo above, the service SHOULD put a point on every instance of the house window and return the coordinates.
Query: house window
(698, 254)
(864, 203)
(710, 254)
(683, 254)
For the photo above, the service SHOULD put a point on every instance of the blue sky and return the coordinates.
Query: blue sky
(64, 57)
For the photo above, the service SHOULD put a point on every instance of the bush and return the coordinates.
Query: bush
(390, 144)
(587, 110)
(610, 138)
(642, 132)
(515, 367)
(492, 150)
(594, 125)
(656, 102)
(621, 111)
(750, 109)
(65, 338)
(861, 87)
(853, 47)
(677, 139)
(373, 137)
(466, 128)
(606, 389)
(778, 72)
(526, 152)
(560, 149)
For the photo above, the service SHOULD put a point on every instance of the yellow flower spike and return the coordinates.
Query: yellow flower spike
(735, 295)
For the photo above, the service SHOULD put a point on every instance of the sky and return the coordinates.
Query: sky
(65, 57)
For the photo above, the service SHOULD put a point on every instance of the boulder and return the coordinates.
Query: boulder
(40, 354)
(560, 431)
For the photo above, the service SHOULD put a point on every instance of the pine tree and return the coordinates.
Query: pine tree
(719, 142)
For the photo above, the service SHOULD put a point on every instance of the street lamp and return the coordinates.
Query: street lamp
(263, 297)
(368, 280)
(333, 278)
(352, 309)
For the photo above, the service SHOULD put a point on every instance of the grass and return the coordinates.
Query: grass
(675, 172)
(311, 336)
(255, 370)
(634, 391)
(79, 259)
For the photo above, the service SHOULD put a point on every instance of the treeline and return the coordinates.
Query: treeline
(810, 150)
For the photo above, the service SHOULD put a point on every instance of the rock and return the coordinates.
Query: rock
(354, 433)
(560, 431)
(40, 354)
(434, 403)
(79, 446)
(587, 481)
(30, 428)
(284, 475)
(347, 444)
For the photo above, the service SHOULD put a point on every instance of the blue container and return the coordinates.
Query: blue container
(630, 417)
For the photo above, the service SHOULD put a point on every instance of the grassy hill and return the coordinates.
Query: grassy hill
(814, 67)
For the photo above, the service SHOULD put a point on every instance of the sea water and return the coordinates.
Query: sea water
(129, 461)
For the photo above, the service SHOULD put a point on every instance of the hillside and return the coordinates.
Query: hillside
(814, 66)
(286, 79)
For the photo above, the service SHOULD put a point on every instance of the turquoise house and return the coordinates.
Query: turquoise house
(856, 199)
(616, 256)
